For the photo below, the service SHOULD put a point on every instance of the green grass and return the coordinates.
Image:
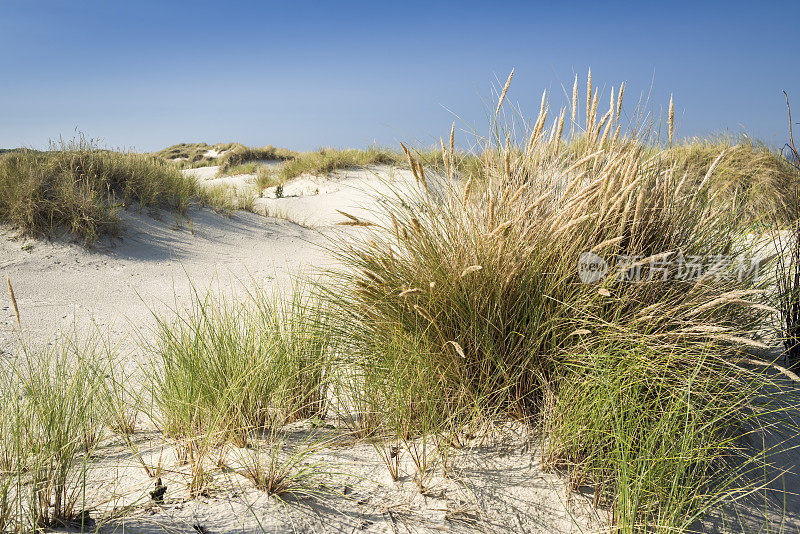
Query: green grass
(228, 367)
(53, 418)
(82, 188)
(241, 155)
(227, 371)
(327, 160)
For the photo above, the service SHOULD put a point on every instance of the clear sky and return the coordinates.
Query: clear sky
(299, 74)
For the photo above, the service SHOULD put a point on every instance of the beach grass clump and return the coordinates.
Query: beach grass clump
(327, 160)
(192, 155)
(759, 179)
(241, 154)
(226, 368)
(477, 291)
(80, 187)
(53, 419)
(658, 435)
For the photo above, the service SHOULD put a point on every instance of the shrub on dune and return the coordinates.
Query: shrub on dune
(476, 287)
(80, 187)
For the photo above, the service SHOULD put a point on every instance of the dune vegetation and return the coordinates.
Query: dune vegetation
(190, 155)
(228, 156)
(326, 160)
(464, 306)
(80, 187)
(241, 155)
(460, 309)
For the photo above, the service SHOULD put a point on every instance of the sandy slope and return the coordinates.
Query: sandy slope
(118, 281)
(315, 200)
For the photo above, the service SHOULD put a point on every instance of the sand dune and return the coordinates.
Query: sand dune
(154, 265)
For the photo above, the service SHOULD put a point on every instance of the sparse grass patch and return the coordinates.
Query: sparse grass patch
(326, 160)
(279, 468)
(279, 212)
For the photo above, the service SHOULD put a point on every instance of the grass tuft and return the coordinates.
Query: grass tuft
(80, 187)
(327, 160)
(462, 307)
(224, 367)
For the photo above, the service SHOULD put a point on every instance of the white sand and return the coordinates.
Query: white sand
(499, 486)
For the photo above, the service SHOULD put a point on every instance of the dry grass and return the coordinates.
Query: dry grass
(80, 187)
(464, 304)
(326, 160)
(242, 154)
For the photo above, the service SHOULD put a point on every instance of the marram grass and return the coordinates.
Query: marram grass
(53, 418)
(224, 366)
(463, 303)
(82, 188)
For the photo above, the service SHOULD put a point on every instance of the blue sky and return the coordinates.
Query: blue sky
(308, 74)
